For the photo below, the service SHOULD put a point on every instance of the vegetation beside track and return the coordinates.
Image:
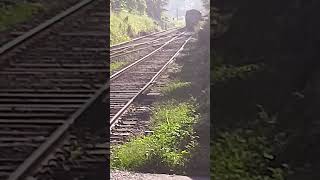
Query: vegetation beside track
(17, 13)
(125, 25)
(246, 143)
(246, 146)
(248, 152)
(169, 147)
(130, 19)
(174, 86)
(180, 140)
(288, 86)
(117, 65)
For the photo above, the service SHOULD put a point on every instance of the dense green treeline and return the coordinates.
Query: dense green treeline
(280, 39)
(152, 8)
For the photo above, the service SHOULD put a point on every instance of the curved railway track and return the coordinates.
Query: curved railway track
(128, 53)
(129, 83)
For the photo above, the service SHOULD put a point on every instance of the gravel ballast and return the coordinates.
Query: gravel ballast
(124, 175)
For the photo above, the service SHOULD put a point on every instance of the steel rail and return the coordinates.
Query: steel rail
(57, 135)
(134, 46)
(138, 44)
(122, 50)
(114, 119)
(13, 43)
(132, 51)
(141, 37)
(113, 76)
(38, 156)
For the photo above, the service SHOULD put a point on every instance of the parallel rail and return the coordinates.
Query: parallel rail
(50, 84)
(126, 85)
(56, 77)
(142, 38)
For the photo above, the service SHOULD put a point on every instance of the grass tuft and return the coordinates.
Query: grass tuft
(173, 86)
(117, 65)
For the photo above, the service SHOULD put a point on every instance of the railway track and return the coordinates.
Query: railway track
(129, 83)
(54, 82)
(142, 39)
(50, 79)
(48, 10)
(128, 53)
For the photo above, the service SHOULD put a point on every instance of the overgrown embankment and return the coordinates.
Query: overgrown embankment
(180, 123)
(125, 25)
(168, 148)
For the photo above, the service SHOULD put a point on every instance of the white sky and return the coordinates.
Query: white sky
(182, 6)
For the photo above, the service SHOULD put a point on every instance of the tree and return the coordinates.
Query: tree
(206, 4)
(155, 8)
(141, 6)
(130, 5)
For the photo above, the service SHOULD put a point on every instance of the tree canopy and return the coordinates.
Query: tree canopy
(153, 8)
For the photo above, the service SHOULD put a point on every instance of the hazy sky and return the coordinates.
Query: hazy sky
(182, 6)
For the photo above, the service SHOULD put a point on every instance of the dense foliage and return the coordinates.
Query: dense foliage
(153, 8)
(284, 36)
(131, 18)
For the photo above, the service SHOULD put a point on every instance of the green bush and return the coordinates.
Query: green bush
(246, 153)
(226, 72)
(168, 148)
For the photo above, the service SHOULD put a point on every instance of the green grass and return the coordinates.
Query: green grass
(179, 23)
(18, 13)
(117, 65)
(176, 23)
(170, 146)
(124, 26)
(173, 86)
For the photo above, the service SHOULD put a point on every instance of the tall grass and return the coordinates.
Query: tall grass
(169, 148)
(18, 13)
(125, 25)
(117, 65)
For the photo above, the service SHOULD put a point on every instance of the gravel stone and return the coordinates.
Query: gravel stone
(125, 175)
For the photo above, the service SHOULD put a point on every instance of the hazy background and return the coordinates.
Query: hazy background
(179, 7)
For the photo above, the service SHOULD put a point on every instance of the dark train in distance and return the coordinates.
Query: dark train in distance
(193, 17)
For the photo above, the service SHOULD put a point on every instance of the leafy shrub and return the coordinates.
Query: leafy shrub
(226, 72)
(168, 148)
(246, 153)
